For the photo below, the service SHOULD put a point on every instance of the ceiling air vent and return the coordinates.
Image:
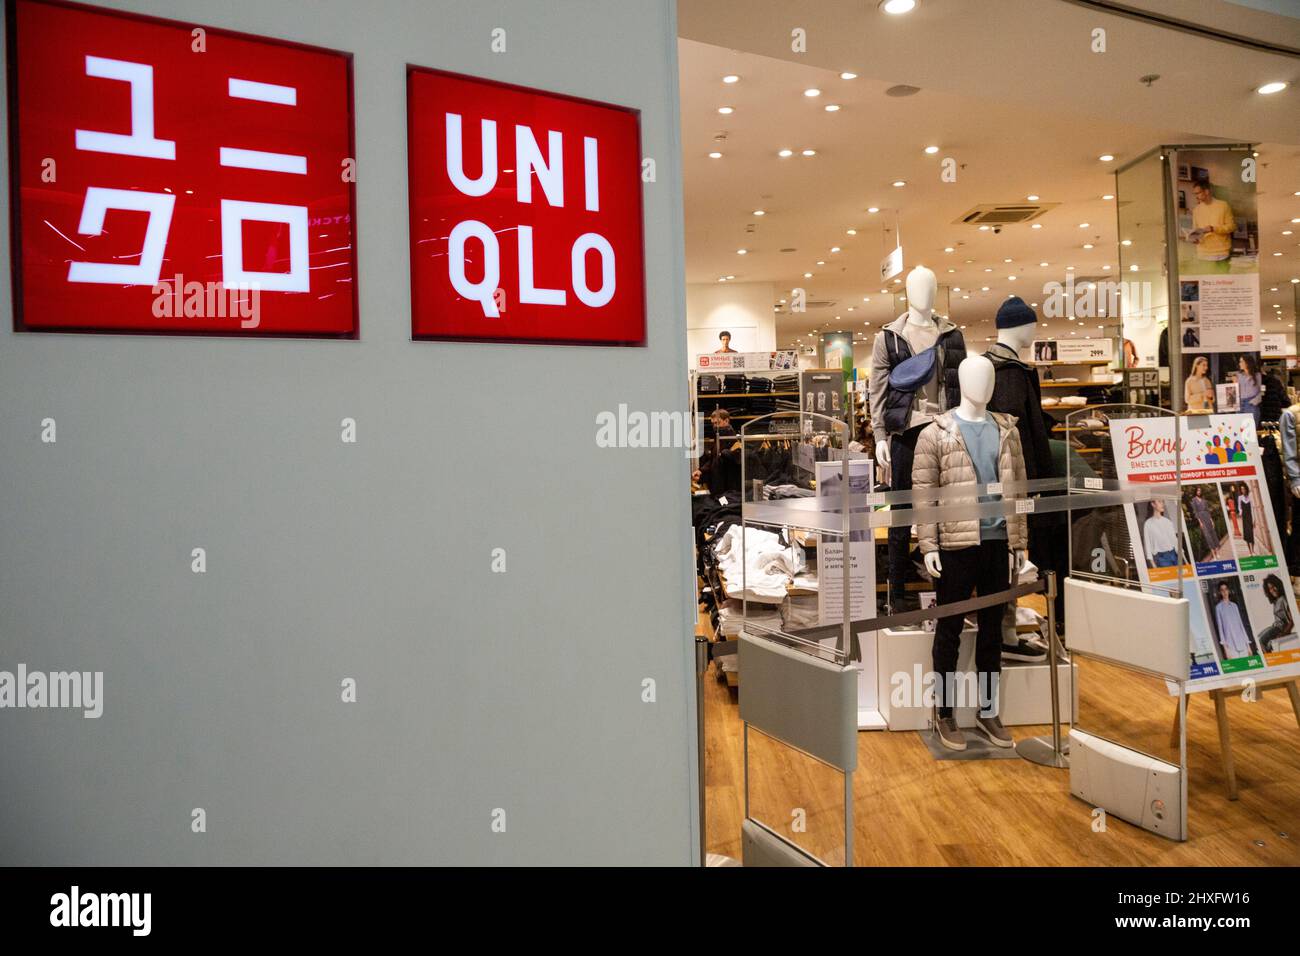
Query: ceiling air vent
(1004, 214)
(809, 305)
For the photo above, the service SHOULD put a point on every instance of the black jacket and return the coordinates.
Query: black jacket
(1274, 400)
(1016, 392)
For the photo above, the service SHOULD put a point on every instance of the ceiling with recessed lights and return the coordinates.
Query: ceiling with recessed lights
(804, 155)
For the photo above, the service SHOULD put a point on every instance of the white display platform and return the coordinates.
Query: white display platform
(1025, 693)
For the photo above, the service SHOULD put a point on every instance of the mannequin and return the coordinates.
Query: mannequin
(897, 418)
(1016, 392)
(970, 446)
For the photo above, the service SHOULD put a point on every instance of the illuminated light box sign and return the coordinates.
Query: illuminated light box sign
(175, 179)
(525, 209)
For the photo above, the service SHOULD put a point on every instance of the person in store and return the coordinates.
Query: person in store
(1160, 537)
(1250, 385)
(1282, 624)
(719, 469)
(1213, 225)
(1246, 508)
(725, 338)
(1234, 639)
(1198, 390)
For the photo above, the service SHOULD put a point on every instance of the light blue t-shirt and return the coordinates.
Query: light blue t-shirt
(982, 441)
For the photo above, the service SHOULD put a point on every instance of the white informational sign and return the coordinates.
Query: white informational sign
(1272, 345)
(1243, 610)
(1073, 350)
(862, 579)
(1222, 312)
(787, 359)
(892, 264)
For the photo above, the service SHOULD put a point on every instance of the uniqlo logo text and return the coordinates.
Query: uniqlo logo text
(525, 214)
(154, 158)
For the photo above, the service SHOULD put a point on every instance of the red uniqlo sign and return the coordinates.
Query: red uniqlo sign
(175, 179)
(525, 214)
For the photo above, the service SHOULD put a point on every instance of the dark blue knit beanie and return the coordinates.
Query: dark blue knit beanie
(1014, 312)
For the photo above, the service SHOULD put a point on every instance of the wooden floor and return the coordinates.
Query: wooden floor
(911, 810)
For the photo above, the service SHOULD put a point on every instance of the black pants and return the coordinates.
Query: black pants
(902, 449)
(984, 569)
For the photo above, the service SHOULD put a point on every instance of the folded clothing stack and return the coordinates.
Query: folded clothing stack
(799, 611)
(733, 383)
(763, 572)
(708, 384)
(786, 383)
(732, 620)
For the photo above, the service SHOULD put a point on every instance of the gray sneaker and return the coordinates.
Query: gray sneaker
(993, 731)
(950, 734)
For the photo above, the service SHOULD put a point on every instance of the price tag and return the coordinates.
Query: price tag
(995, 487)
(1095, 484)
(1024, 506)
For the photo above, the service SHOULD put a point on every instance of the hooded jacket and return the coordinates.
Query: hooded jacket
(942, 461)
(1016, 392)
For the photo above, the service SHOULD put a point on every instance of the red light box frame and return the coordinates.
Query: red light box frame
(173, 179)
(555, 255)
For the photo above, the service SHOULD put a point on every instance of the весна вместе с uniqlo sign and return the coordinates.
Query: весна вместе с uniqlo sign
(171, 178)
(525, 214)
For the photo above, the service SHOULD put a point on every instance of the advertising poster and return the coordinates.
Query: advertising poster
(1243, 610)
(787, 359)
(1217, 222)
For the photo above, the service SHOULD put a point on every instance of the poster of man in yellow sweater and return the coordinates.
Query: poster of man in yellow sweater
(1213, 226)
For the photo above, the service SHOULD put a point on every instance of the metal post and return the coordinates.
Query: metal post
(1037, 749)
(701, 664)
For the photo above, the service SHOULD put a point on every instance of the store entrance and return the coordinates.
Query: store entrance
(908, 274)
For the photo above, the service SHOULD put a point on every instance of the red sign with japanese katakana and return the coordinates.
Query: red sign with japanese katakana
(172, 178)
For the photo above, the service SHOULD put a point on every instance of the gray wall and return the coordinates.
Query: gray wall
(325, 560)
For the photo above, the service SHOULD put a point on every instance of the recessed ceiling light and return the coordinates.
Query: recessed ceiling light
(741, 252)
(988, 270)
(731, 277)
(832, 107)
(810, 152)
(715, 155)
(1084, 225)
(1108, 196)
(984, 228)
(848, 76)
(1126, 242)
(900, 183)
(1133, 267)
(1006, 260)
(873, 209)
(850, 232)
(725, 110)
(786, 152)
(965, 297)
(1270, 88)
(1032, 198)
(1286, 232)
(812, 91)
(1295, 220)
(730, 78)
(949, 249)
(931, 150)
(952, 270)
(1106, 157)
(835, 248)
(866, 298)
(1037, 225)
(896, 7)
(1277, 253)
(821, 262)
(760, 212)
(1012, 278)
(807, 275)
(1087, 245)
(1043, 264)
(984, 288)
(1105, 268)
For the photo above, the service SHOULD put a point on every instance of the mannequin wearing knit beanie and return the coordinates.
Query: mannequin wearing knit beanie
(1017, 392)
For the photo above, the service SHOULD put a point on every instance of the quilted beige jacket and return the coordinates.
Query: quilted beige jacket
(942, 461)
